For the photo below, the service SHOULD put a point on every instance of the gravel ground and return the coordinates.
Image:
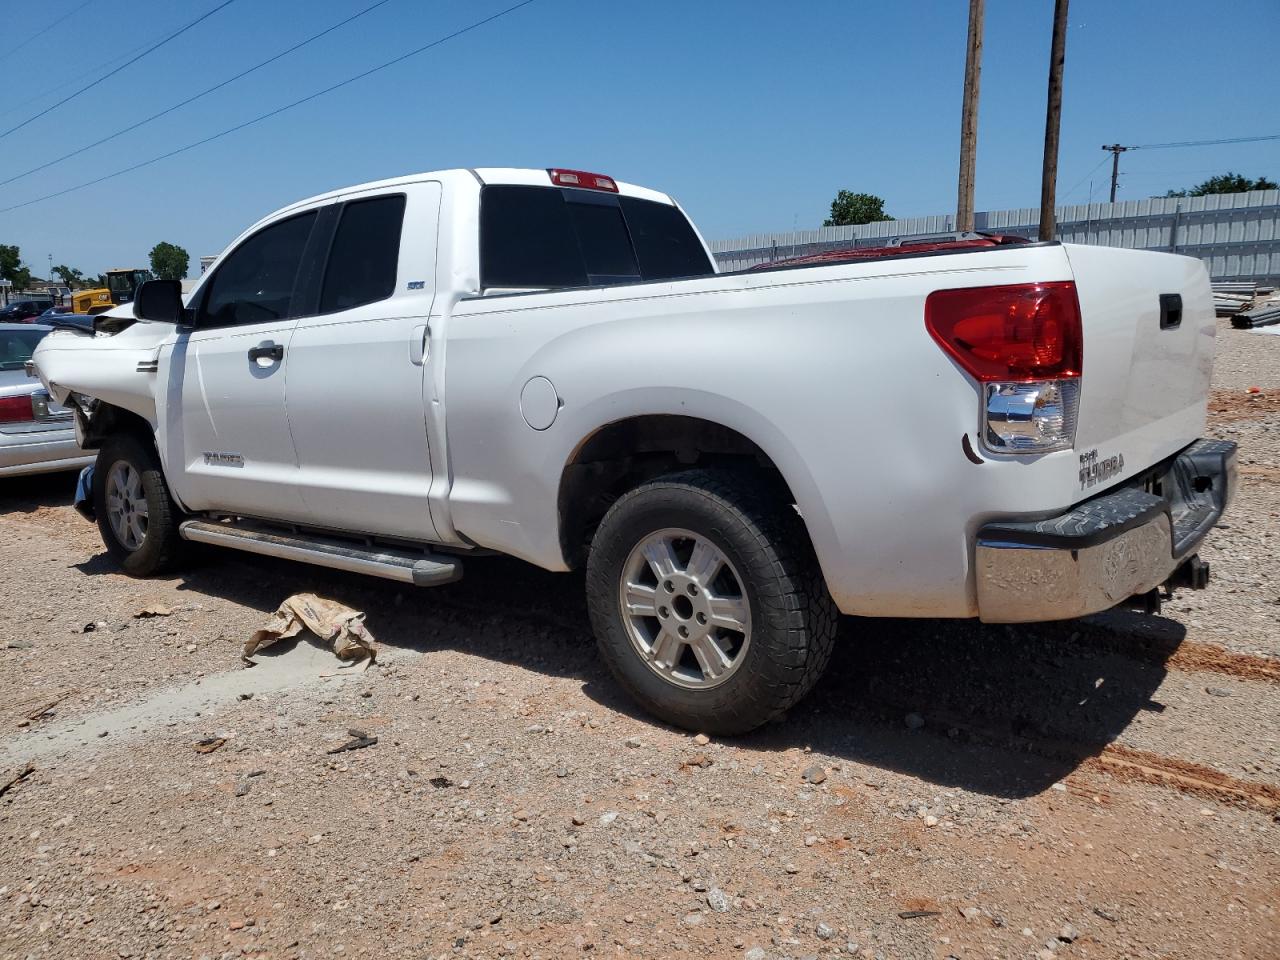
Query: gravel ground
(1102, 788)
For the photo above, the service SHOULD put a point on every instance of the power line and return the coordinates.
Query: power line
(195, 97)
(1116, 149)
(1204, 143)
(75, 78)
(277, 111)
(1080, 182)
(43, 30)
(94, 83)
(1168, 173)
(1183, 143)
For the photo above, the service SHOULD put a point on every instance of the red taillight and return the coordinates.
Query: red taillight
(582, 179)
(15, 409)
(1025, 331)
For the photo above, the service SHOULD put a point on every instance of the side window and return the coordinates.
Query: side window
(365, 253)
(254, 284)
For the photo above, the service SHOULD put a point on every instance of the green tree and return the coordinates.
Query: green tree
(12, 268)
(849, 209)
(69, 275)
(169, 261)
(1225, 183)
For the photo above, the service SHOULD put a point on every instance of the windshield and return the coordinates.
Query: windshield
(16, 347)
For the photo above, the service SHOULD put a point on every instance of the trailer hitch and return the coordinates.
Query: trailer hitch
(1192, 573)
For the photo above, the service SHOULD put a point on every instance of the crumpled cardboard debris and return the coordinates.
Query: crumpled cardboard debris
(341, 626)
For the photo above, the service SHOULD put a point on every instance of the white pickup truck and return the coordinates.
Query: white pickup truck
(391, 378)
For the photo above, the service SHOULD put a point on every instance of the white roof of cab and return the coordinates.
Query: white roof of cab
(486, 175)
(540, 178)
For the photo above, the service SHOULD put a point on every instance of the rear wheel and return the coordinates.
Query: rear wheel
(707, 602)
(137, 516)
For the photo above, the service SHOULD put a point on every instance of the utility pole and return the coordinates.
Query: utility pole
(1053, 116)
(969, 117)
(1116, 150)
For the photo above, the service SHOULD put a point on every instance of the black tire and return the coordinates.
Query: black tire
(160, 547)
(793, 618)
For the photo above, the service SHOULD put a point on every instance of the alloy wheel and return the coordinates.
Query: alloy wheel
(685, 608)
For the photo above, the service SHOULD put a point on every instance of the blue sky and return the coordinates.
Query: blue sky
(752, 113)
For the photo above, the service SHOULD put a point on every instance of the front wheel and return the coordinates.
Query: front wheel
(137, 516)
(707, 602)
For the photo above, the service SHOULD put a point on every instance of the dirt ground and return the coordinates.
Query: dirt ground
(1101, 788)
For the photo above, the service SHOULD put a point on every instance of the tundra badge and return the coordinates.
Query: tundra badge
(1094, 471)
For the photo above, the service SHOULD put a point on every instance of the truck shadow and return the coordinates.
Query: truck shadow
(1002, 711)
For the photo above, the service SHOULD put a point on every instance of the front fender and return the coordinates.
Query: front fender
(119, 373)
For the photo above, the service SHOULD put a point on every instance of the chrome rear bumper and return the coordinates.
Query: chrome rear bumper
(1126, 542)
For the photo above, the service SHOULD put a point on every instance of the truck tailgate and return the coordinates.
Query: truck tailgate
(1149, 331)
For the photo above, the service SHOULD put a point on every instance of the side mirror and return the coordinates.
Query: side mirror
(159, 301)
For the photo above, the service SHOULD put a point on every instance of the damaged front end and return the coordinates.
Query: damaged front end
(84, 409)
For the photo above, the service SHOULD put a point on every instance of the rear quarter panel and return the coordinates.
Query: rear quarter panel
(829, 370)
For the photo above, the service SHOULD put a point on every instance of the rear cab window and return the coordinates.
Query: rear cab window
(535, 238)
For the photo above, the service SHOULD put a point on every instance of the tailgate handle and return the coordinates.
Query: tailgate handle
(1170, 311)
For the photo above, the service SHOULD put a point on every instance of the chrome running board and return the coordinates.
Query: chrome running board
(420, 569)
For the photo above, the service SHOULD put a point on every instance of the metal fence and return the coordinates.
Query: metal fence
(1236, 234)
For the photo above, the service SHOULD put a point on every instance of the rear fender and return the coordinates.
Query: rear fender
(726, 412)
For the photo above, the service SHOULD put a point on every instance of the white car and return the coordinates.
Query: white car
(36, 433)
(545, 363)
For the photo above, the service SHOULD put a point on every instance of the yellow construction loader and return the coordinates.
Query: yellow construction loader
(122, 284)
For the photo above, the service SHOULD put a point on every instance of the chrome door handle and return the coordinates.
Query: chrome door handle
(420, 344)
